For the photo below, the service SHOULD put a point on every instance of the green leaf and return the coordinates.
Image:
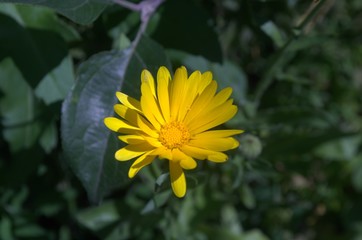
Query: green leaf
(301, 142)
(356, 169)
(88, 145)
(79, 11)
(30, 231)
(272, 30)
(255, 234)
(6, 228)
(98, 217)
(247, 197)
(341, 149)
(19, 108)
(35, 52)
(156, 202)
(56, 84)
(40, 18)
(216, 232)
(49, 138)
(192, 31)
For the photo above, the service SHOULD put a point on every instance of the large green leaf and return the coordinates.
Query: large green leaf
(88, 145)
(80, 11)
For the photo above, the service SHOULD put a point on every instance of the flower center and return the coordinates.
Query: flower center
(174, 135)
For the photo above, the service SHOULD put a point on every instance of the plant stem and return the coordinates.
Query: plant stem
(147, 8)
(268, 77)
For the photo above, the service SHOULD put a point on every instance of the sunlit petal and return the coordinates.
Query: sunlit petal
(117, 125)
(217, 134)
(141, 162)
(147, 79)
(178, 180)
(129, 101)
(177, 91)
(163, 80)
(132, 151)
(215, 144)
(186, 161)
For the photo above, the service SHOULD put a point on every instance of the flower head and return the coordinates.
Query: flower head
(172, 121)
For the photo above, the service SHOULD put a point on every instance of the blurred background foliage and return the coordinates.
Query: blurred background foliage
(296, 70)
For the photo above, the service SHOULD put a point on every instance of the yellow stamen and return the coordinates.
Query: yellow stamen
(174, 135)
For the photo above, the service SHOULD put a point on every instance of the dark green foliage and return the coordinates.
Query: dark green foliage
(295, 70)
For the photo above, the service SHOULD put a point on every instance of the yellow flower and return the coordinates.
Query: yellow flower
(173, 121)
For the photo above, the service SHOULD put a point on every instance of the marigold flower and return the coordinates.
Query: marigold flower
(173, 121)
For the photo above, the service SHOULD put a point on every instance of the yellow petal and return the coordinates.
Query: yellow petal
(178, 181)
(201, 154)
(206, 79)
(141, 162)
(117, 125)
(153, 141)
(189, 96)
(221, 97)
(194, 152)
(218, 133)
(228, 114)
(147, 110)
(163, 80)
(126, 113)
(146, 127)
(147, 78)
(218, 157)
(131, 139)
(129, 101)
(132, 151)
(177, 91)
(201, 102)
(215, 144)
(150, 107)
(186, 161)
(163, 153)
(207, 115)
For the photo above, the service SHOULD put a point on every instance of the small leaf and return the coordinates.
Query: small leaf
(96, 218)
(30, 231)
(161, 181)
(6, 228)
(19, 108)
(156, 202)
(255, 234)
(356, 166)
(247, 197)
(49, 138)
(55, 85)
(272, 30)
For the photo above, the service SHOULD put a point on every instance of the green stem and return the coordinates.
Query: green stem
(268, 77)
